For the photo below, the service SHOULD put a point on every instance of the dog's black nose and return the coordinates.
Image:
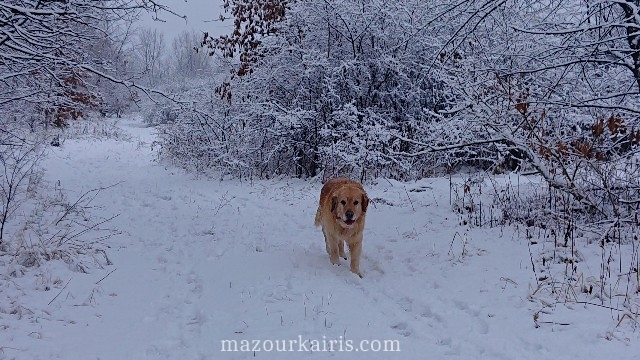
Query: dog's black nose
(349, 214)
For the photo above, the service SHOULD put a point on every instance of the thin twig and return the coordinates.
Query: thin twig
(61, 290)
(598, 305)
(409, 197)
(106, 276)
(97, 190)
(65, 240)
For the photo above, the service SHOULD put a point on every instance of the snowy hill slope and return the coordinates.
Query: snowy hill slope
(200, 261)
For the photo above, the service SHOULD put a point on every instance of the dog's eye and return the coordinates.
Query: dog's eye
(355, 202)
(343, 202)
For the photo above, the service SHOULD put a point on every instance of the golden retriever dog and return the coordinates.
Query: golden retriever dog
(341, 213)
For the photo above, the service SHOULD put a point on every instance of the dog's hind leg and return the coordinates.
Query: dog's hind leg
(326, 243)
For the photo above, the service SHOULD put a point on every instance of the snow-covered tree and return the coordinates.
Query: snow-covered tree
(45, 49)
(402, 89)
(329, 86)
(187, 60)
(150, 47)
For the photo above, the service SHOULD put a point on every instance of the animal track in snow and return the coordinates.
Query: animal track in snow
(402, 328)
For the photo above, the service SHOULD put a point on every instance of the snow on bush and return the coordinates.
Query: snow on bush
(38, 221)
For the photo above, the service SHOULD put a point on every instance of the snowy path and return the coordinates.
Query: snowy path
(200, 261)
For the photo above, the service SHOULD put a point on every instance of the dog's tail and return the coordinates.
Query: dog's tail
(318, 216)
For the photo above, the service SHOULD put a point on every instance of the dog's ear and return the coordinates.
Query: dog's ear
(365, 202)
(334, 203)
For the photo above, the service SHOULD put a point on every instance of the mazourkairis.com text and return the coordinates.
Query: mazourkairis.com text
(313, 345)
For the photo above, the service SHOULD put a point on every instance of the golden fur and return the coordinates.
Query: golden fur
(341, 213)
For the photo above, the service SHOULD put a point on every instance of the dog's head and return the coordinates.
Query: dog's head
(349, 204)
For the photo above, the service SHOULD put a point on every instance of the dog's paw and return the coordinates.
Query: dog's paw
(357, 272)
(335, 261)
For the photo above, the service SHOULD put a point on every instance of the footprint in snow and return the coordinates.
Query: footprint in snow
(481, 324)
(427, 312)
(406, 304)
(402, 328)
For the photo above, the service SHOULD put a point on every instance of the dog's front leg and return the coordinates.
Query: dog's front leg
(341, 249)
(355, 249)
(332, 249)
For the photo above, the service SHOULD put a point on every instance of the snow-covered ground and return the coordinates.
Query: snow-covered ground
(199, 261)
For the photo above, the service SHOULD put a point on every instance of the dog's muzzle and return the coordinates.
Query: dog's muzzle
(349, 218)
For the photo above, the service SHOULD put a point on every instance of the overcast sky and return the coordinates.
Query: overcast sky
(201, 15)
